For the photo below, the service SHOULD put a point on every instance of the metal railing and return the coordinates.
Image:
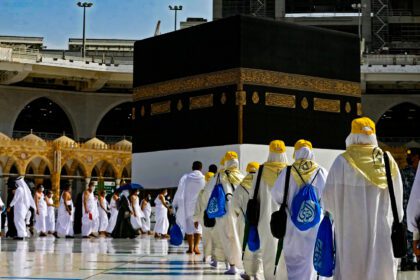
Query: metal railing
(401, 59)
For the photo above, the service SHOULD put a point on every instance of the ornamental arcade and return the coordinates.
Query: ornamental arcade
(64, 160)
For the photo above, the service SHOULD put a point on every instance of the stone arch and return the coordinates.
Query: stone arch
(30, 162)
(75, 164)
(102, 165)
(12, 161)
(56, 103)
(121, 119)
(401, 120)
(126, 171)
(375, 105)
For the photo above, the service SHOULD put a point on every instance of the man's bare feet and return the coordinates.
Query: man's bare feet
(197, 251)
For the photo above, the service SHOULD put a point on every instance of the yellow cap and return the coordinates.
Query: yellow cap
(277, 146)
(231, 155)
(208, 176)
(252, 167)
(302, 143)
(363, 126)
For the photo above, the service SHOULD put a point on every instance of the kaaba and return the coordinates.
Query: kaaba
(239, 82)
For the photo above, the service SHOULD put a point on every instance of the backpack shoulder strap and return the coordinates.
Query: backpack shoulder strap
(300, 176)
(257, 185)
(245, 189)
(286, 186)
(391, 188)
(317, 172)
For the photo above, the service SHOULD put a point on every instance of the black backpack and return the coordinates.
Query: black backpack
(253, 207)
(208, 222)
(279, 218)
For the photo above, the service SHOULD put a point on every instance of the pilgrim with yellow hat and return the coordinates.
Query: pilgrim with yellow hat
(357, 196)
(198, 218)
(298, 245)
(225, 230)
(252, 261)
(276, 162)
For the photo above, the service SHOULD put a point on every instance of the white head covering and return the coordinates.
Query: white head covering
(363, 132)
(28, 201)
(232, 163)
(361, 139)
(304, 153)
(277, 157)
(125, 193)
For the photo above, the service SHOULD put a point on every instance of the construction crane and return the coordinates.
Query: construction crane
(157, 30)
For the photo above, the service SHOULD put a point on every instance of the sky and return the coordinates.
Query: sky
(58, 20)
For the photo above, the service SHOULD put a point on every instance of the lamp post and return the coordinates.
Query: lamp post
(84, 5)
(175, 9)
(358, 7)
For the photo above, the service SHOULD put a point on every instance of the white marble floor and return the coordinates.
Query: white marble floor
(102, 259)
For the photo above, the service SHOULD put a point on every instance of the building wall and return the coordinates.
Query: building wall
(375, 105)
(84, 110)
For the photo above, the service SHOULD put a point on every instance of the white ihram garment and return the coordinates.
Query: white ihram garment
(136, 221)
(114, 215)
(200, 207)
(103, 216)
(162, 222)
(147, 211)
(252, 261)
(90, 225)
(363, 218)
(298, 245)
(226, 230)
(178, 203)
(50, 218)
(21, 202)
(413, 208)
(1, 208)
(40, 222)
(193, 184)
(64, 219)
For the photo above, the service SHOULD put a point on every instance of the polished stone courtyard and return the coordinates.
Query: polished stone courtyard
(141, 258)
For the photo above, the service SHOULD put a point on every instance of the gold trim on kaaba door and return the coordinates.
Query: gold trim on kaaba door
(280, 100)
(327, 105)
(248, 76)
(201, 101)
(160, 108)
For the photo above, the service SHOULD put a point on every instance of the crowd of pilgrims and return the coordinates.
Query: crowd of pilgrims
(279, 218)
(95, 214)
(271, 223)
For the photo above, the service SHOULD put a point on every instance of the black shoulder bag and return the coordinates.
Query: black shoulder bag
(399, 230)
(279, 218)
(253, 207)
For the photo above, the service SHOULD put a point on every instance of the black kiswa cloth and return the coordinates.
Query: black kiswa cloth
(123, 227)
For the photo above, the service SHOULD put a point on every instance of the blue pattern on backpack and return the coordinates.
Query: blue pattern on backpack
(253, 239)
(306, 210)
(176, 235)
(216, 207)
(324, 251)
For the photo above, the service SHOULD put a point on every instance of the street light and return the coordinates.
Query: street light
(175, 9)
(358, 7)
(84, 5)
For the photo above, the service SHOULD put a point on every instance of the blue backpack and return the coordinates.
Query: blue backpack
(253, 238)
(306, 210)
(324, 251)
(176, 235)
(216, 206)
